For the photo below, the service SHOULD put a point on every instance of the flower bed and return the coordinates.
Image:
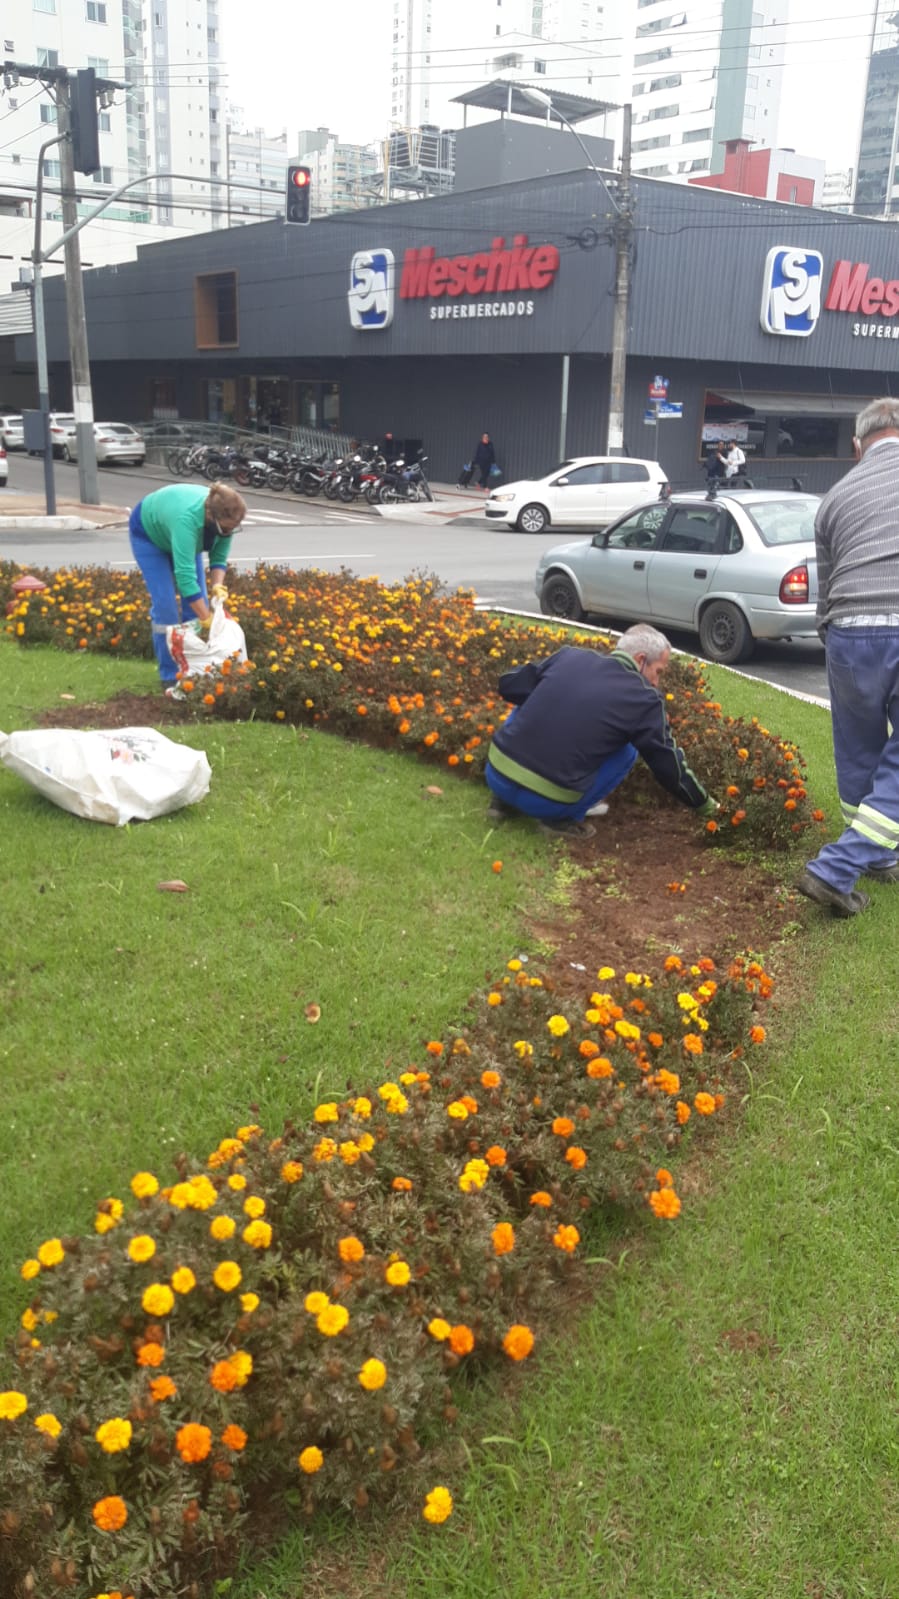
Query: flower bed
(288, 1321)
(410, 667)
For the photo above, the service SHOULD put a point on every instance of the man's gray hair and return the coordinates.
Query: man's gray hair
(877, 417)
(644, 640)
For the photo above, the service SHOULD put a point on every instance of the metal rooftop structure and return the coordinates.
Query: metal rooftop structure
(504, 95)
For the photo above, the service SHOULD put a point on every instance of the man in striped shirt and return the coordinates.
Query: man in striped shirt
(857, 539)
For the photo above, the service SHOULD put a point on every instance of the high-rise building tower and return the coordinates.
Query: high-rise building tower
(876, 186)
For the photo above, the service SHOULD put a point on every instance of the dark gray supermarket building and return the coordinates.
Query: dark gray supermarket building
(439, 319)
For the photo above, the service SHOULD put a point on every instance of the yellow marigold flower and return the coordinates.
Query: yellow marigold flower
(350, 1249)
(438, 1506)
(387, 1090)
(316, 1302)
(627, 1030)
(558, 1026)
(503, 1236)
(51, 1253)
(179, 1196)
(115, 1207)
(518, 1342)
(704, 1104)
(48, 1424)
(397, 1274)
(633, 979)
(439, 1329)
(474, 1176)
(364, 1143)
(457, 1110)
(682, 1112)
(665, 1204)
(29, 1320)
(513, 966)
(373, 1375)
(494, 999)
(254, 1206)
(158, 1299)
(349, 1152)
(12, 1405)
(541, 1198)
(144, 1185)
(29, 1269)
(362, 1108)
(332, 1320)
(114, 1436)
(325, 1149)
(668, 1082)
(227, 1276)
(326, 1113)
(110, 1514)
(523, 1049)
(242, 1365)
(605, 973)
(566, 1239)
(222, 1227)
(686, 1001)
(249, 1303)
(249, 1131)
(103, 1222)
(237, 1181)
(142, 1248)
(397, 1105)
(292, 1171)
(310, 1460)
(258, 1234)
(693, 1043)
(408, 1078)
(183, 1280)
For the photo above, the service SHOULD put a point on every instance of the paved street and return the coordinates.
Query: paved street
(499, 565)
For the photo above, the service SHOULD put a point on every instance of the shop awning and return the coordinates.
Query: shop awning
(792, 404)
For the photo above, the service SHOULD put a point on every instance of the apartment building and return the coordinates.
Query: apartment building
(342, 174)
(876, 180)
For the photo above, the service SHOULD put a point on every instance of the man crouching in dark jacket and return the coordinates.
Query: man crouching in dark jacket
(581, 720)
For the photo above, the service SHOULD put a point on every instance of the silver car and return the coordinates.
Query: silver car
(732, 567)
(114, 441)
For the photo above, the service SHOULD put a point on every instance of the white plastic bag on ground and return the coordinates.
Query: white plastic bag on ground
(130, 774)
(195, 654)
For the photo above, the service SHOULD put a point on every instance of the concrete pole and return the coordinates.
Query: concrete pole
(82, 400)
(623, 232)
(563, 409)
(43, 382)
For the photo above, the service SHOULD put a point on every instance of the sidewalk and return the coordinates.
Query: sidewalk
(465, 506)
(23, 511)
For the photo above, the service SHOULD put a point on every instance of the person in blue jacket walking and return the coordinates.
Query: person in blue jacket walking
(170, 531)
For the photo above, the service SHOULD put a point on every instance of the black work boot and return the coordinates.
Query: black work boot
(842, 904)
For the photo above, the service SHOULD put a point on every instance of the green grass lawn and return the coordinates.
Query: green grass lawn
(719, 1421)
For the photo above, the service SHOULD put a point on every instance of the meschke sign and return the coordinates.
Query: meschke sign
(495, 283)
(793, 296)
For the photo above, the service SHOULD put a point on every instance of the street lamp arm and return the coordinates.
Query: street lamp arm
(135, 183)
(590, 162)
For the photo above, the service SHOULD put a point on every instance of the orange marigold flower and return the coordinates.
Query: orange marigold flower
(518, 1342)
(495, 1155)
(563, 1127)
(668, 1082)
(223, 1377)
(350, 1249)
(655, 1039)
(461, 1339)
(110, 1514)
(711, 827)
(757, 1035)
(150, 1355)
(234, 1437)
(705, 1104)
(497, 866)
(673, 963)
(587, 1048)
(665, 1204)
(541, 1198)
(692, 1043)
(732, 791)
(600, 1067)
(490, 1079)
(566, 1239)
(576, 1157)
(682, 1112)
(434, 1047)
(503, 1238)
(494, 999)
(162, 1388)
(664, 1178)
(402, 1185)
(193, 1442)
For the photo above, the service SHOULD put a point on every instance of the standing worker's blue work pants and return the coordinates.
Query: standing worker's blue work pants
(159, 575)
(863, 676)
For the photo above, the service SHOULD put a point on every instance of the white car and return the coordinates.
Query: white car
(587, 491)
(12, 432)
(115, 441)
(60, 422)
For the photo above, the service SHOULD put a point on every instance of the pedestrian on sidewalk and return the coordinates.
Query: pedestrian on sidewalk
(857, 541)
(483, 460)
(581, 720)
(170, 530)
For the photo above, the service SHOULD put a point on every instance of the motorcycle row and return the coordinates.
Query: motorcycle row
(364, 474)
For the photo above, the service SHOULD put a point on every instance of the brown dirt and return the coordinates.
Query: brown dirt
(616, 904)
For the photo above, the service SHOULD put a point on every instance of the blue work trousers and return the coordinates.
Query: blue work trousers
(607, 777)
(863, 676)
(167, 609)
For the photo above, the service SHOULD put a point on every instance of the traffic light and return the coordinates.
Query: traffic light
(85, 121)
(299, 194)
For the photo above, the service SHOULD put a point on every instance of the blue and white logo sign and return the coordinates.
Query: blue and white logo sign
(371, 289)
(791, 295)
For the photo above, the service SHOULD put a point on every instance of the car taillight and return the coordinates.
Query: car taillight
(794, 586)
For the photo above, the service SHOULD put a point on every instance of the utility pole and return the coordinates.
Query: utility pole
(79, 360)
(624, 230)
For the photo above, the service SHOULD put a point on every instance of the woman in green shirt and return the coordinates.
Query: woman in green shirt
(170, 531)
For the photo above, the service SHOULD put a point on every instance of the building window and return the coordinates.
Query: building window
(697, 135)
(215, 310)
(104, 122)
(51, 169)
(45, 5)
(95, 10)
(660, 141)
(48, 112)
(102, 175)
(647, 59)
(47, 58)
(100, 65)
(540, 66)
(673, 81)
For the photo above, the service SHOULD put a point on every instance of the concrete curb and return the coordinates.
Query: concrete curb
(47, 524)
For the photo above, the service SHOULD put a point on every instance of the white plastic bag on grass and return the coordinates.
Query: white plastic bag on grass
(195, 654)
(130, 774)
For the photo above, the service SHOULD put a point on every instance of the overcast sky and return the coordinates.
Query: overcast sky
(292, 67)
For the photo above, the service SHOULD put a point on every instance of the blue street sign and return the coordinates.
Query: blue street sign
(664, 409)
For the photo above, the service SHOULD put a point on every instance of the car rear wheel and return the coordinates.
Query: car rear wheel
(66, 453)
(724, 633)
(559, 597)
(532, 519)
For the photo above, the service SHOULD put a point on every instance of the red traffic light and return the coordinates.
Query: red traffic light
(299, 177)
